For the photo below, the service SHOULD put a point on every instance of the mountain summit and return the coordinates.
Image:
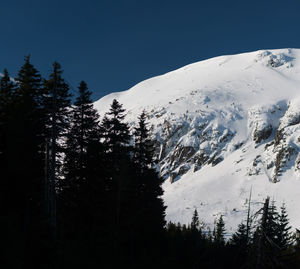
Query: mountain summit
(223, 126)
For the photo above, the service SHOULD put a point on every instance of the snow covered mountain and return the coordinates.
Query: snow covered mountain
(222, 126)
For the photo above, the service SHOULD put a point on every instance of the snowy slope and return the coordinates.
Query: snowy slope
(223, 125)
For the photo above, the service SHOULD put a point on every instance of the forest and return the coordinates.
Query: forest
(82, 191)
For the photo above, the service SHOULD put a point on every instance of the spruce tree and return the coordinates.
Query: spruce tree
(82, 135)
(115, 132)
(26, 133)
(143, 146)
(149, 182)
(25, 161)
(283, 233)
(83, 131)
(6, 89)
(81, 201)
(6, 93)
(240, 244)
(115, 138)
(272, 223)
(6, 185)
(219, 232)
(148, 204)
(57, 103)
(239, 238)
(264, 247)
(195, 221)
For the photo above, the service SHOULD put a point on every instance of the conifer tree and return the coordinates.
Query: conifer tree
(149, 182)
(240, 244)
(25, 165)
(239, 238)
(195, 220)
(83, 131)
(115, 132)
(6, 187)
(81, 201)
(272, 223)
(6, 93)
(219, 232)
(6, 89)
(264, 247)
(143, 146)
(26, 132)
(283, 234)
(115, 138)
(81, 137)
(57, 103)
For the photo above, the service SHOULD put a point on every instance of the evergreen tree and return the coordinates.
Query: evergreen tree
(82, 135)
(239, 238)
(148, 181)
(219, 232)
(283, 234)
(195, 221)
(240, 243)
(6, 90)
(117, 175)
(25, 162)
(143, 146)
(115, 132)
(81, 201)
(272, 223)
(57, 103)
(6, 93)
(26, 141)
(84, 130)
(6, 186)
(265, 251)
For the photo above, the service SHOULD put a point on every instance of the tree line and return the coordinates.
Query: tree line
(78, 191)
(263, 240)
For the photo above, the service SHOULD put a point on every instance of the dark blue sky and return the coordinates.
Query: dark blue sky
(113, 45)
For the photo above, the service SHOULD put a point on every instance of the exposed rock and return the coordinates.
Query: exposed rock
(297, 163)
(200, 159)
(179, 172)
(262, 134)
(278, 163)
(180, 155)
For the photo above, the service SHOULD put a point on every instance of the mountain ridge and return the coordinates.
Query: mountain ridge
(235, 117)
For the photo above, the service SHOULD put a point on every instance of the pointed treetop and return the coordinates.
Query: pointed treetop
(84, 96)
(5, 73)
(195, 220)
(6, 88)
(27, 59)
(117, 110)
(219, 231)
(5, 80)
(56, 67)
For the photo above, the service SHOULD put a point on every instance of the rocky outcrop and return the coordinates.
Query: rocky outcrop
(262, 134)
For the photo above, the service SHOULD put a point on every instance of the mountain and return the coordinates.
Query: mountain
(223, 126)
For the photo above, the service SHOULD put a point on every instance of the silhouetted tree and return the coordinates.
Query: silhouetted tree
(219, 232)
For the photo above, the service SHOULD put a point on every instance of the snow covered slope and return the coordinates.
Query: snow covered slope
(223, 125)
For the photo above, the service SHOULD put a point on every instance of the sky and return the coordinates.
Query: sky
(113, 45)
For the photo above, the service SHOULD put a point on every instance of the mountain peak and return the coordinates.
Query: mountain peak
(221, 126)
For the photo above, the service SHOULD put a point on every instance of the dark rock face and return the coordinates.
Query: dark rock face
(181, 154)
(181, 171)
(263, 134)
(199, 160)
